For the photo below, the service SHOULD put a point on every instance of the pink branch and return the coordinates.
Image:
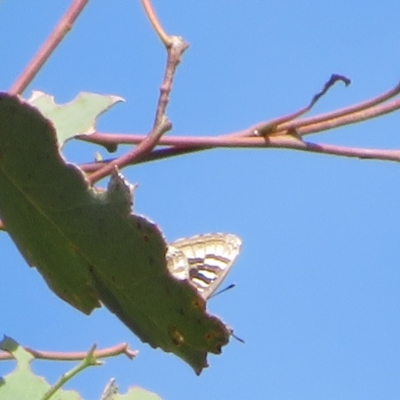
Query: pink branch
(161, 123)
(113, 351)
(184, 145)
(58, 34)
(155, 22)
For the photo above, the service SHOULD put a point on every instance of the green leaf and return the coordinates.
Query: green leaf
(22, 383)
(88, 246)
(75, 118)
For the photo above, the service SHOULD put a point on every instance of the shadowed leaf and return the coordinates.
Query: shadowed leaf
(89, 247)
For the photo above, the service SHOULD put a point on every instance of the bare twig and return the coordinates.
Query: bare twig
(266, 128)
(355, 113)
(161, 122)
(259, 129)
(353, 118)
(58, 34)
(281, 134)
(175, 52)
(113, 351)
(349, 115)
(155, 22)
(370, 103)
(144, 148)
(281, 142)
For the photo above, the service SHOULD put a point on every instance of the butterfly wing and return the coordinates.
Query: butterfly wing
(203, 260)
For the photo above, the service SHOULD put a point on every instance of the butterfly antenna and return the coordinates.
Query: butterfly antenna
(238, 338)
(231, 286)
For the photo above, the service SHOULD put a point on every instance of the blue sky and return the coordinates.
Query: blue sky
(317, 297)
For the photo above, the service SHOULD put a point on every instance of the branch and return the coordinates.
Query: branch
(353, 114)
(190, 145)
(134, 156)
(113, 351)
(58, 34)
(278, 126)
(174, 54)
(266, 128)
(277, 131)
(161, 123)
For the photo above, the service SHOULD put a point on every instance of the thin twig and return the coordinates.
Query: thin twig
(352, 114)
(135, 155)
(113, 351)
(266, 128)
(174, 54)
(155, 22)
(184, 145)
(281, 142)
(320, 122)
(353, 109)
(356, 117)
(161, 123)
(58, 34)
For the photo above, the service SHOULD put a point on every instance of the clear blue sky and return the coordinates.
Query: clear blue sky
(317, 297)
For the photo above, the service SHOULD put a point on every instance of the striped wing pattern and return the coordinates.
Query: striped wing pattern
(203, 260)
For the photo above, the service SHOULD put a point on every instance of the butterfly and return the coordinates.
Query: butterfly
(203, 260)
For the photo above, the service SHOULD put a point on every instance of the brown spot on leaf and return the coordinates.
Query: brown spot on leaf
(176, 336)
(212, 336)
(198, 304)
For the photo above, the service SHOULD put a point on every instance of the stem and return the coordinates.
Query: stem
(88, 361)
(135, 155)
(155, 22)
(113, 351)
(355, 109)
(174, 55)
(276, 142)
(161, 123)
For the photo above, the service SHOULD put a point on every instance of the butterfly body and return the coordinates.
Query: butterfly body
(203, 260)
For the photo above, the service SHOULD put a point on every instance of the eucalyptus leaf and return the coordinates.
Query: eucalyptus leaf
(88, 245)
(78, 117)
